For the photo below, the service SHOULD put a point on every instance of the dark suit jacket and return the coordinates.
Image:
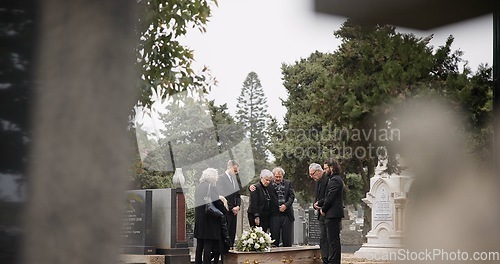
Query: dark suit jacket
(333, 204)
(289, 199)
(226, 189)
(321, 188)
(206, 226)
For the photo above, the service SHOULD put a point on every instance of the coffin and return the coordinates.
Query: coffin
(296, 254)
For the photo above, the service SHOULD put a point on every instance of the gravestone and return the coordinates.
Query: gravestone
(313, 230)
(242, 217)
(298, 226)
(350, 234)
(169, 225)
(137, 223)
(387, 199)
(154, 222)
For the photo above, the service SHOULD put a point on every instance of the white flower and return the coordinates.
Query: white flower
(254, 240)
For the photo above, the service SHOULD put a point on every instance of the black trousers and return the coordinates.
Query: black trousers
(281, 230)
(231, 226)
(323, 240)
(206, 249)
(333, 236)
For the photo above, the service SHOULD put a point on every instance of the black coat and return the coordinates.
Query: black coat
(259, 202)
(333, 205)
(206, 226)
(289, 196)
(226, 189)
(321, 188)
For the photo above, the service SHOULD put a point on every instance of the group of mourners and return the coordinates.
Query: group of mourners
(270, 207)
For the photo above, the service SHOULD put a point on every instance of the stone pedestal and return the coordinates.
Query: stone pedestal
(387, 199)
(142, 259)
(169, 225)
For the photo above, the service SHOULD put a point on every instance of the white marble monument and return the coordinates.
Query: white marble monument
(388, 197)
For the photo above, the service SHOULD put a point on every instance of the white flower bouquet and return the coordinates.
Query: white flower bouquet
(254, 240)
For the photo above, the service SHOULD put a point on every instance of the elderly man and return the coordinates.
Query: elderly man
(321, 178)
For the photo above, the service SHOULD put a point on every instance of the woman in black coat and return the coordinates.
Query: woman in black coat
(259, 207)
(208, 228)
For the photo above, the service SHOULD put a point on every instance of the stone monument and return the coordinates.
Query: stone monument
(387, 198)
(169, 225)
(154, 223)
(137, 223)
(313, 230)
(299, 224)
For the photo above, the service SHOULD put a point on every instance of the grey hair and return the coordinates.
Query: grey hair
(265, 173)
(209, 175)
(315, 167)
(279, 169)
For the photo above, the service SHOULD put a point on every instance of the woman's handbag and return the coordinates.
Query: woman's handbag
(210, 208)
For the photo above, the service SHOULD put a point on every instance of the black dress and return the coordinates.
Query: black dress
(207, 229)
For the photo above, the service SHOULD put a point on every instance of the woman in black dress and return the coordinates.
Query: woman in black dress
(259, 207)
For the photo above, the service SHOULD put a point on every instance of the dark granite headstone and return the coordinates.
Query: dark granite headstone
(137, 223)
(313, 230)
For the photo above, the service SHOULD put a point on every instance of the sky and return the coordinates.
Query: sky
(259, 35)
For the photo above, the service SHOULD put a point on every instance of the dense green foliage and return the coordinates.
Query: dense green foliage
(164, 62)
(346, 104)
(192, 134)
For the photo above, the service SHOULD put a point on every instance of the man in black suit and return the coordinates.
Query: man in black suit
(321, 178)
(333, 210)
(227, 186)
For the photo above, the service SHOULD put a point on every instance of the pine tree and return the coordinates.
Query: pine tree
(253, 116)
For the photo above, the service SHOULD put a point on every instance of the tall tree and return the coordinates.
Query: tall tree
(253, 116)
(345, 104)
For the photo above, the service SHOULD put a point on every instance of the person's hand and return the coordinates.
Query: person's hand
(252, 187)
(282, 208)
(321, 212)
(235, 210)
(257, 221)
(315, 206)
